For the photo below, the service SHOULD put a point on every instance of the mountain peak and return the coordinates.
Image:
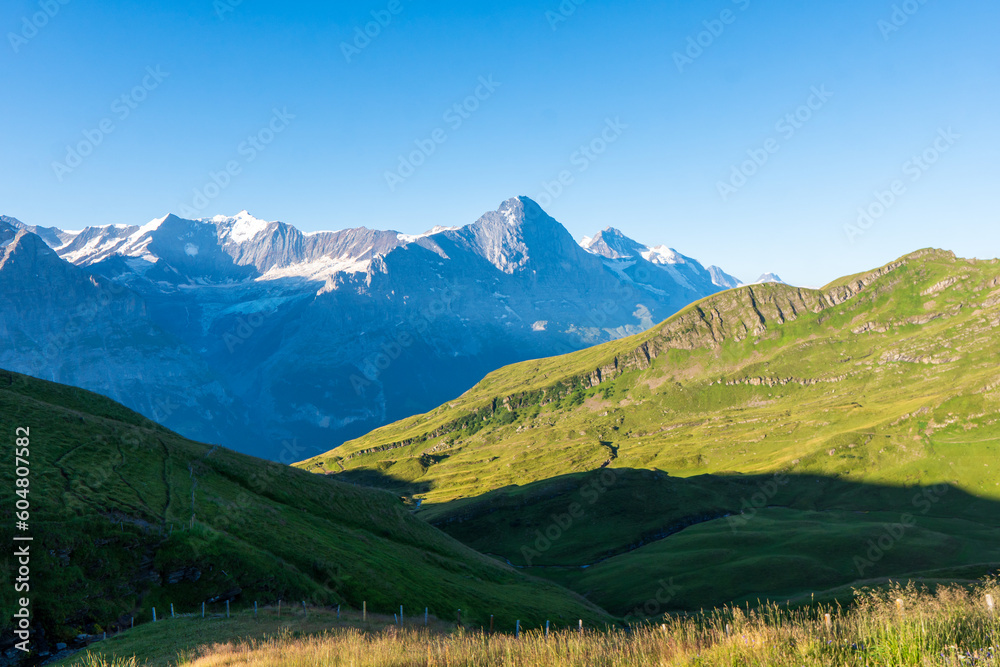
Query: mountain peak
(517, 211)
(613, 244)
(722, 279)
(28, 252)
(239, 228)
(769, 278)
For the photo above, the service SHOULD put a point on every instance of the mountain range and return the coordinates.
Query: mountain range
(263, 338)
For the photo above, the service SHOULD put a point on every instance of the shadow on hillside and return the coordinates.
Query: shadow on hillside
(378, 480)
(610, 534)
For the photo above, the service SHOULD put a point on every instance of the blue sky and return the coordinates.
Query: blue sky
(309, 132)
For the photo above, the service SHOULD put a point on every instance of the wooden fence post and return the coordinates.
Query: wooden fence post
(338, 612)
(172, 610)
(829, 622)
(227, 608)
(581, 627)
(517, 630)
(400, 615)
(154, 614)
(364, 611)
(546, 629)
(425, 616)
(203, 610)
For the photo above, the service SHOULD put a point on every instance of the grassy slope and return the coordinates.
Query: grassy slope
(171, 641)
(899, 626)
(127, 515)
(877, 381)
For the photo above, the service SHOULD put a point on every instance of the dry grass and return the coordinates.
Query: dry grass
(902, 626)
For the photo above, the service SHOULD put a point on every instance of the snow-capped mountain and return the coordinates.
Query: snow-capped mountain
(633, 259)
(251, 333)
(769, 278)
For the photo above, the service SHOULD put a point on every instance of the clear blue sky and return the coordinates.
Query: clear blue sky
(229, 64)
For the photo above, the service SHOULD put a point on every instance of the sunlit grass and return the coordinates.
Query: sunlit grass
(899, 626)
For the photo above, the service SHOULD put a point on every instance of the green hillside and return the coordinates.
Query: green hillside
(126, 516)
(873, 399)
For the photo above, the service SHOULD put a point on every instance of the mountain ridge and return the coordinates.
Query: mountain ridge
(321, 337)
(758, 433)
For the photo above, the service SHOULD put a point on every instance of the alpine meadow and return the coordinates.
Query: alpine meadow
(537, 333)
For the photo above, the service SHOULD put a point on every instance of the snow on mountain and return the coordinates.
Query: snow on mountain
(722, 279)
(769, 278)
(239, 228)
(248, 333)
(649, 263)
(52, 236)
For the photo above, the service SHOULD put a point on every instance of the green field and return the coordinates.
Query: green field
(127, 516)
(872, 399)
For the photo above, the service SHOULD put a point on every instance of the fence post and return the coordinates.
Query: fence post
(829, 623)
(364, 611)
(546, 629)
(581, 627)
(133, 621)
(460, 617)
(989, 602)
(400, 615)
(517, 629)
(172, 610)
(255, 609)
(338, 612)
(395, 618)
(425, 616)
(154, 614)
(227, 608)
(203, 610)
(305, 612)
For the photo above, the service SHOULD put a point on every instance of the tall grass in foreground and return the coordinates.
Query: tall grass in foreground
(901, 626)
